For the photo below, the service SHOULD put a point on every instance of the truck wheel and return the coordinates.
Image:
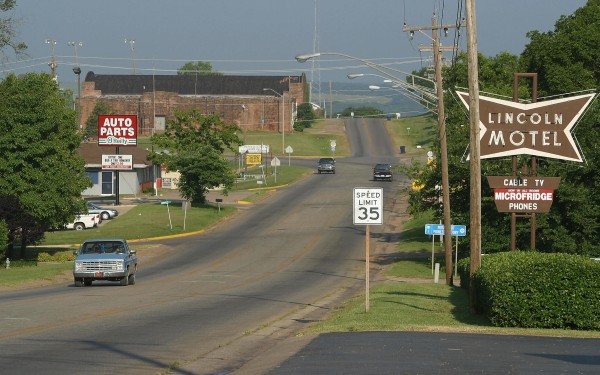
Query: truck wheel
(132, 279)
(79, 226)
(78, 283)
(125, 280)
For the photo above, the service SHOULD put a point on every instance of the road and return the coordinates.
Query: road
(296, 251)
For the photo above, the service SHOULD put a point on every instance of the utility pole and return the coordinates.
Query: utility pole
(437, 57)
(52, 63)
(475, 157)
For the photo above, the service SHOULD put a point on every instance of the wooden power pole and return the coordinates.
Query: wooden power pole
(437, 57)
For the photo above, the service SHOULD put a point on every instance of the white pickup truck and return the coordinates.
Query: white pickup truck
(84, 221)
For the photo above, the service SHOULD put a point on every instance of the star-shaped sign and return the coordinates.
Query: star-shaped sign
(542, 129)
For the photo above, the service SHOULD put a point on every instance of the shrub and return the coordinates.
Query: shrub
(60, 256)
(538, 290)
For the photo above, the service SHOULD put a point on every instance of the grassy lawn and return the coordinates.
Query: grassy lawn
(312, 142)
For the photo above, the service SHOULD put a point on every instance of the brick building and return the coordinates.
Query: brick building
(251, 102)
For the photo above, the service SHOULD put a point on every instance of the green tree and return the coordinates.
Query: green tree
(566, 60)
(305, 116)
(3, 238)
(8, 31)
(362, 112)
(42, 175)
(193, 145)
(197, 68)
(91, 124)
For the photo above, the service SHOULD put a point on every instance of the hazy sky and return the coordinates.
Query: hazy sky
(251, 37)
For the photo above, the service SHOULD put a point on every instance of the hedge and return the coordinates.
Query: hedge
(537, 290)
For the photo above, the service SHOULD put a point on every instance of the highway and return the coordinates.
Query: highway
(297, 250)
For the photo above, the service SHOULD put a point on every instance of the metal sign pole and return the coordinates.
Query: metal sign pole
(367, 267)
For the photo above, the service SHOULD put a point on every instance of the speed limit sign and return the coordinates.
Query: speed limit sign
(368, 206)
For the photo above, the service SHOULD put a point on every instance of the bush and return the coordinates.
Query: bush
(60, 256)
(538, 290)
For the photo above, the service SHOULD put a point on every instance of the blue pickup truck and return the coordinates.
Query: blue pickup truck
(105, 259)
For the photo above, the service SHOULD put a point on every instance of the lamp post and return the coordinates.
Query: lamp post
(131, 43)
(419, 99)
(410, 89)
(385, 70)
(282, 96)
(77, 71)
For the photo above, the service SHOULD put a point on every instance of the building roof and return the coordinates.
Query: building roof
(114, 84)
(92, 153)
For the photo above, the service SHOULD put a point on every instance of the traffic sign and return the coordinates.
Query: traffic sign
(368, 206)
(438, 230)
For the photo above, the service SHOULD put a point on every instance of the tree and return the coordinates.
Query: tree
(197, 68)
(42, 174)
(193, 144)
(566, 60)
(362, 112)
(8, 32)
(91, 124)
(305, 116)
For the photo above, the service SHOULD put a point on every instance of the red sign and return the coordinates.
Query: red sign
(523, 194)
(117, 130)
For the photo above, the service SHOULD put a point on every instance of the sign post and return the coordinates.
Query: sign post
(438, 230)
(367, 210)
(275, 163)
(117, 130)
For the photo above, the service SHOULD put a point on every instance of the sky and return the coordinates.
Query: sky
(260, 37)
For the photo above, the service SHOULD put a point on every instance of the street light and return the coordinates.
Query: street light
(380, 68)
(282, 96)
(131, 43)
(77, 71)
(424, 99)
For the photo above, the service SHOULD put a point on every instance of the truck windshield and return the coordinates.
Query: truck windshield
(107, 247)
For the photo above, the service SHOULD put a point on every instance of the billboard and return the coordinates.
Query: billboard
(117, 130)
(117, 162)
(543, 128)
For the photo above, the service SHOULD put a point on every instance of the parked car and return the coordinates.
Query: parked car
(383, 172)
(84, 221)
(326, 165)
(105, 259)
(105, 213)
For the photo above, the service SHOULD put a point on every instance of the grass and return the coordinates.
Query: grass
(421, 133)
(408, 300)
(22, 275)
(147, 220)
(285, 175)
(312, 142)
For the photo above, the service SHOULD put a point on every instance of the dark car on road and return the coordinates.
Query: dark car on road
(326, 165)
(383, 172)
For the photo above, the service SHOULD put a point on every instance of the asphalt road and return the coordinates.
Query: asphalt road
(205, 306)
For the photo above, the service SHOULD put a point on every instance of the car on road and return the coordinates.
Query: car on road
(326, 165)
(105, 259)
(105, 213)
(383, 172)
